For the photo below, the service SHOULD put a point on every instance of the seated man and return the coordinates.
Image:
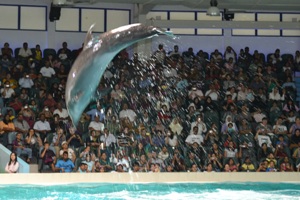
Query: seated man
(48, 156)
(62, 112)
(263, 132)
(64, 164)
(65, 148)
(19, 147)
(96, 125)
(42, 127)
(194, 138)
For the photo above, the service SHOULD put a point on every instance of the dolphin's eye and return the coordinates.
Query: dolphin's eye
(77, 96)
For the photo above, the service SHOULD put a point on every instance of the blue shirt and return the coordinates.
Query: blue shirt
(67, 165)
(95, 112)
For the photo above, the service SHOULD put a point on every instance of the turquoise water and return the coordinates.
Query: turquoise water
(184, 191)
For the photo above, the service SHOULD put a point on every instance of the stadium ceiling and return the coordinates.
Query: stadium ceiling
(234, 5)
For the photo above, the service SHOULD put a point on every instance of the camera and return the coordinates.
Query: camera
(7, 86)
(25, 107)
(27, 76)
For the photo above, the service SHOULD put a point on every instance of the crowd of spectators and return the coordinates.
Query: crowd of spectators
(174, 112)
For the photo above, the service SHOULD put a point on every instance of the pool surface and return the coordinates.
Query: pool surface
(153, 191)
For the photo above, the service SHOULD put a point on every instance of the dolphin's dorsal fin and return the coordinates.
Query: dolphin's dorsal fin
(88, 37)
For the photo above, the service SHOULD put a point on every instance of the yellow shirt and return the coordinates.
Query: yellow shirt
(248, 167)
(38, 55)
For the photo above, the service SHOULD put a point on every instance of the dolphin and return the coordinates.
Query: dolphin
(97, 53)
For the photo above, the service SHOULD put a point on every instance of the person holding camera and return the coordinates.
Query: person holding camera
(200, 125)
(26, 82)
(7, 92)
(74, 140)
(48, 156)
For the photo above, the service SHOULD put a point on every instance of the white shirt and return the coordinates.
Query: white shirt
(128, 113)
(25, 53)
(98, 126)
(47, 72)
(191, 139)
(230, 153)
(241, 95)
(8, 92)
(195, 93)
(264, 139)
(70, 153)
(201, 128)
(163, 156)
(12, 167)
(277, 97)
(25, 82)
(41, 126)
(173, 142)
(170, 72)
(109, 139)
(62, 114)
(213, 95)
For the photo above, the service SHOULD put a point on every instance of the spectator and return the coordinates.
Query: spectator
(65, 164)
(6, 126)
(7, 92)
(20, 147)
(25, 52)
(248, 165)
(48, 156)
(26, 81)
(13, 165)
(70, 151)
(200, 125)
(42, 127)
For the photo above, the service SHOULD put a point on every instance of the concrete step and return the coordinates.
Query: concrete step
(34, 168)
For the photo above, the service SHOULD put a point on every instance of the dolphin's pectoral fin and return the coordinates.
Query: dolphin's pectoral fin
(88, 37)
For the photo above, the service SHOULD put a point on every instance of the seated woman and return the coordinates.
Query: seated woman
(263, 151)
(290, 106)
(230, 151)
(87, 151)
(217, 151)
(216, 163)
(33, 141)
(13, 165)
(20, 147)
(232, 165)
(212, 135)
(281, 149)
(229, 126)
(286, 165)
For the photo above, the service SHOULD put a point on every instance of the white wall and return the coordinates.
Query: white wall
(210, 43)
(53, 39)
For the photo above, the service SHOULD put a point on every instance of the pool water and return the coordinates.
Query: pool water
(153, 191)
